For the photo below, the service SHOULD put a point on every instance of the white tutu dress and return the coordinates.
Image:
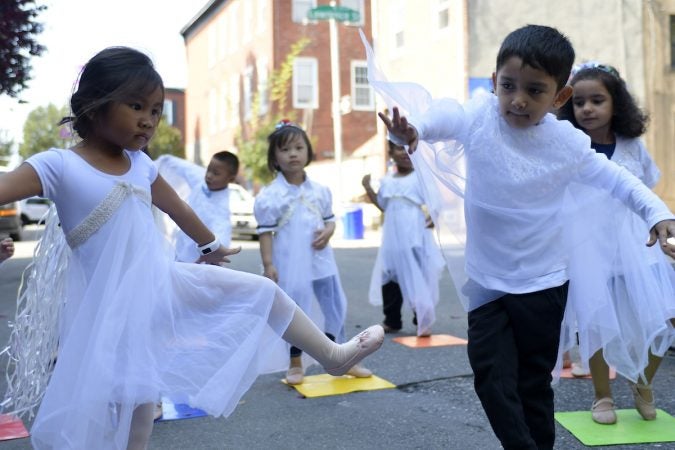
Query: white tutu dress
(408, 255)
(294, 214)
(136, 324)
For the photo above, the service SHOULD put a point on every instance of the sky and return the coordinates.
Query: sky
(75, 30)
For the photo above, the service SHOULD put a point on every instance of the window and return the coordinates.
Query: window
(356, 5)
(248, 21)
(300, 9)
(213, 111)
(305, 83)
(672, 42)
(397, 20)
(363, 98)
(262, 86)
(442, 14)
(248, 91)
(167, 111)
(212, 38)
(234, 100)
(262, 15)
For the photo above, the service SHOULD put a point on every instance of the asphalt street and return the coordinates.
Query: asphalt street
(433, 407)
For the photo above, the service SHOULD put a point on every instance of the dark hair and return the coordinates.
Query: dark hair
(112, 75)
(228, 158)
(280, 137)
(542, 48)
(628, 119)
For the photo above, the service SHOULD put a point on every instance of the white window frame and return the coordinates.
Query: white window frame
(314, 75)
(371, 95)
(358, 6)
(247, 78)
(263, 85)
(168, 111)
(296, 13)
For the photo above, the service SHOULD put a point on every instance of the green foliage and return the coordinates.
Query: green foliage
(166, 141)
(251, 139)
(18, 30)
(6, 144)
(41, 130)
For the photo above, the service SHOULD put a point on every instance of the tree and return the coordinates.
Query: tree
(18, 31)
(6, 144)
(252, 137)
(167, 141)
(41, 130)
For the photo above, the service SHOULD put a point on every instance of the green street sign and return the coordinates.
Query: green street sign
(339, 13)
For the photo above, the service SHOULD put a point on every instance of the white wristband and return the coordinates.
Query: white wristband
(209, 248)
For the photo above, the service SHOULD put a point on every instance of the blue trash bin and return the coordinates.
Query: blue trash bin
(352, 222)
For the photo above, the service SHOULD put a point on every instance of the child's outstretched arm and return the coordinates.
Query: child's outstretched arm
(22, 182)
(166, 199)
(372, 195)
(269, 271)
(400, 129)
(6, 249)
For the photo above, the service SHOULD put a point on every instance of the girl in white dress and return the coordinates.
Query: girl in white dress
(409, 262)
(295, 222)
(603, 108)
(130, 323)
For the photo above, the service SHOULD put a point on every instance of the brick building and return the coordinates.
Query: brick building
(232, 47)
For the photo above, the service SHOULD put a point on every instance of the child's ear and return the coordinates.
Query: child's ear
(562, 97)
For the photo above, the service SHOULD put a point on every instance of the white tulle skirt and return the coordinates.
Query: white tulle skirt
(138, 325)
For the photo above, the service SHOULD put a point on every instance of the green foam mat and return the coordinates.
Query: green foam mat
(629, 428)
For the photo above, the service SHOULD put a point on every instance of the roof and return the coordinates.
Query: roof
(199, 18)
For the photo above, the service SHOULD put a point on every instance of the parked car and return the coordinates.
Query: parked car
(10, 219)
(33, 209)
(241, 212)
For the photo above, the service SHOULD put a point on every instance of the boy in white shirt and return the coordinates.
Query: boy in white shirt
(522, 165)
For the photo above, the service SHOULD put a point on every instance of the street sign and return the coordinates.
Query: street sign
(339, 13)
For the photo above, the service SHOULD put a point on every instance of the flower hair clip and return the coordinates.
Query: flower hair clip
(285, 123)
(595, 65)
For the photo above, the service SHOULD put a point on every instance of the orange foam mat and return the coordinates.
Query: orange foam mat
(435, 340)
(11, 427)
(567, 373)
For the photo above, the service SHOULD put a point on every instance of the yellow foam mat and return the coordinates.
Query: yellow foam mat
(435, 340)
(629, 428)
(324, 385)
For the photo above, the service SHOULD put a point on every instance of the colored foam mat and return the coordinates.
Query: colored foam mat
(629, 428)
(567, 373)
(178, 411)
(11, 427)
(435, 340)
(324, 385)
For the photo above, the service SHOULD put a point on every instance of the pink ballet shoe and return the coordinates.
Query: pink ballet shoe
(644, 407)
(602, 411)
(366, 342)
(295, 375)
(358, 371)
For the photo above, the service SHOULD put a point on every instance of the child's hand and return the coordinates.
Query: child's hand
(664, 232)
(6, 249)
(322, 237)
(220, 256)
(365, 181)
(270, 272)
(399, 127)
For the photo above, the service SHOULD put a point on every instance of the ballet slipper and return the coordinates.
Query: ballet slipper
(361, 345)
(578, 371)
(644, 407)
(295, 375)
(358, 371)
(602, 411)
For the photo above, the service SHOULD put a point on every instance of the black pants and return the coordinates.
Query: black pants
(513, 346)
(392, 301)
